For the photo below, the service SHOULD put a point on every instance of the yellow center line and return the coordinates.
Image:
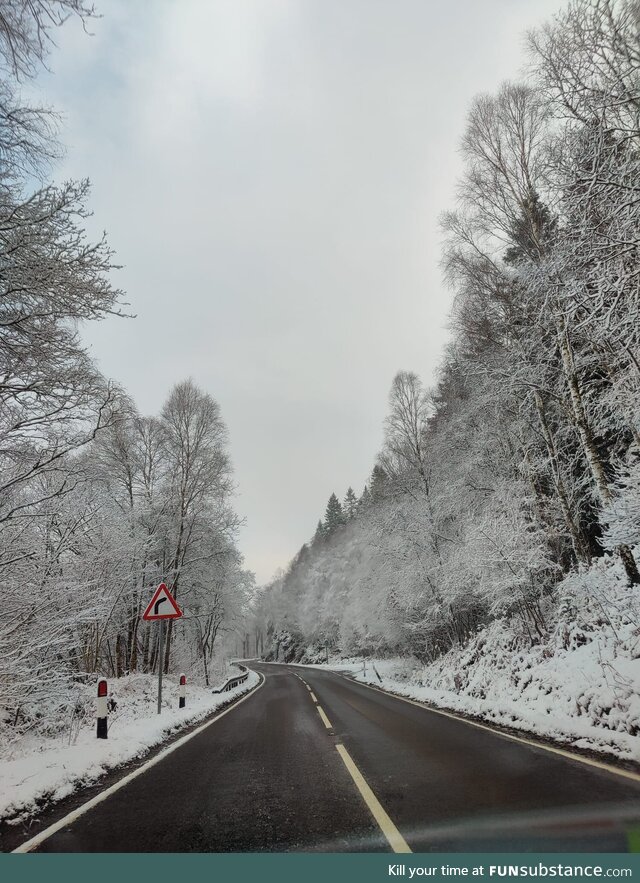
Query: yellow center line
(312, 696)
(325, 719)
(395, 838)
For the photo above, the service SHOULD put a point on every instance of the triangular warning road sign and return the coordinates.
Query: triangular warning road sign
(162, 605)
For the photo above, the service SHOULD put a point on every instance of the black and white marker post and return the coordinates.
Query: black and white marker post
(161, 596)
(182, 692)
(101, 709)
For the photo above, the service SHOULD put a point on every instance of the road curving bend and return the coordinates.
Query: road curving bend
(312, 761)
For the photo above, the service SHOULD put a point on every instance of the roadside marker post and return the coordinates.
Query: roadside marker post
(101, 709)
(182, 692)
(157, 612)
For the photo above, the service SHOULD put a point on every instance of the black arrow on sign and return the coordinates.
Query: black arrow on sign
(157, 604)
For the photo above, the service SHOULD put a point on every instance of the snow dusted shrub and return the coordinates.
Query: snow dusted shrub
(513, 558)
(598, 629)
(621, 516)
(313, 654)
(57, 710)
(285, 647)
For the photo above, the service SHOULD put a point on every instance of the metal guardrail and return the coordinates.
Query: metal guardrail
(230, 683)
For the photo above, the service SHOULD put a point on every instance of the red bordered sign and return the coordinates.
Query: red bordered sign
(162, 605)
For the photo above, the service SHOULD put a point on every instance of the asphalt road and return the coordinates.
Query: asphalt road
(315, 762)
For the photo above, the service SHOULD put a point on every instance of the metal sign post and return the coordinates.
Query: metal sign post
(160, 665)
(161, 596)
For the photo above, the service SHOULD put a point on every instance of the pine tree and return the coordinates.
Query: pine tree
(320, 533)
(378, 484)
(334, 516)
(365, 500)
(350, 505)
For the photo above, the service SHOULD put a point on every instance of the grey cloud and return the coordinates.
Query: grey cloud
(270, 174)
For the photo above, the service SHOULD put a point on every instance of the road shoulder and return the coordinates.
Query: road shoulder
(626, 768)
(16, 832)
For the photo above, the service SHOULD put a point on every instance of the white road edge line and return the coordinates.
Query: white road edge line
(325, 719)
(34, 842)
(395, 838)
(602, 765)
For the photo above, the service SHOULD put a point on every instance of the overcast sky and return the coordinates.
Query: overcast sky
(270, 174)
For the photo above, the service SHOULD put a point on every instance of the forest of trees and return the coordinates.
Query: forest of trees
(98, 504)
(522, 463)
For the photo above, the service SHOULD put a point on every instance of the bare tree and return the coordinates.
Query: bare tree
(200, 475)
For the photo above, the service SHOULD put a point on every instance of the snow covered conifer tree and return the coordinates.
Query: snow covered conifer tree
(320, 533)
(379, 483)
(334, 516)
(350, 505)
(365, 499)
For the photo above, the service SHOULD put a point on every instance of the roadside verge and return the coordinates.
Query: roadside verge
(61, 782)
(603, 760)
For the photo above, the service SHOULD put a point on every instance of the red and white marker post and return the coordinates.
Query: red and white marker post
(182, 692)
(161, 596)
(101, 709)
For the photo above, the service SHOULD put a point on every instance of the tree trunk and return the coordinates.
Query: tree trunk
(585, 432)
(589, 447)
(630, 566)
(145, 650)
(580, 548)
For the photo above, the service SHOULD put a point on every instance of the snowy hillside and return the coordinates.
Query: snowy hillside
(579, 686)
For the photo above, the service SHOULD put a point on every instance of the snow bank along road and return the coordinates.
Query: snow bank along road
(314, 761)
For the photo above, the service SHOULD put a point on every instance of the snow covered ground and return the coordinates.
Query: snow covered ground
(579, 686)
(36, 773)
